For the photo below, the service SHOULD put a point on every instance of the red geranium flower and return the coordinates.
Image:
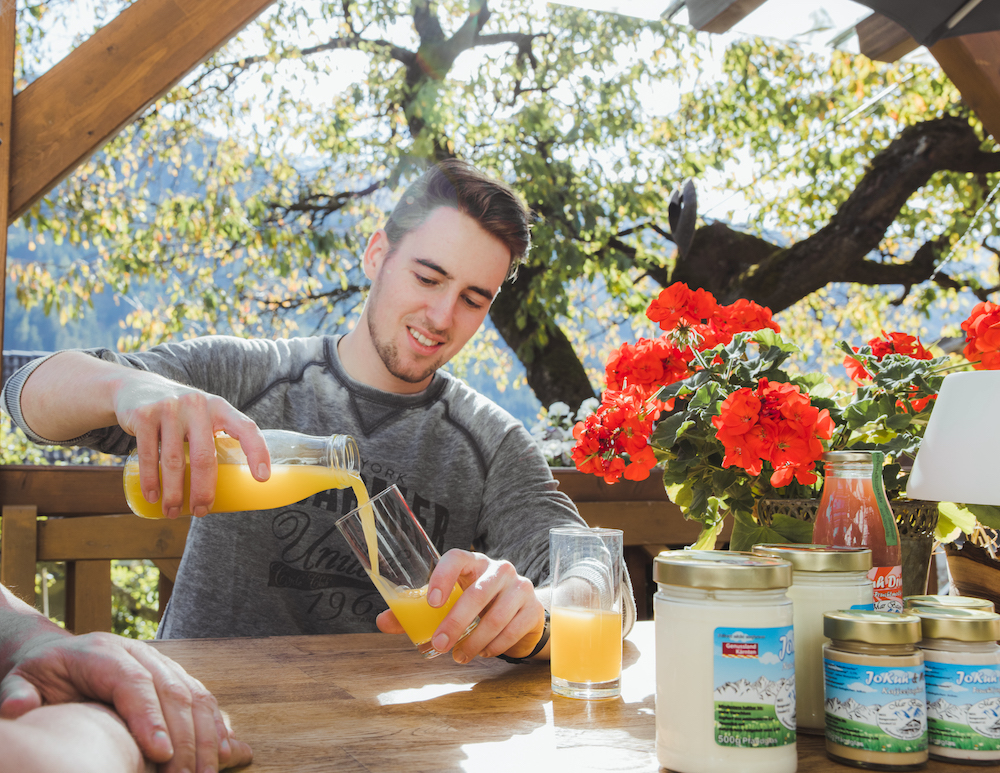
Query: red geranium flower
(982, 334)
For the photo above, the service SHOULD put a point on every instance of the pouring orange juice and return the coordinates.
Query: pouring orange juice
(399, 558)
(301, 465)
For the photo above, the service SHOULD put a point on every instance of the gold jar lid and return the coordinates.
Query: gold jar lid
(948, 602)
(721, 570)
(819, 558)
(958, 624)
(873, 627)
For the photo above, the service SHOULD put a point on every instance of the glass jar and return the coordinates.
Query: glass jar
(824, 578)
(301, 465)
(949, 602)
(725, 663)
(853, 511)
(876, 706)
(962, 662)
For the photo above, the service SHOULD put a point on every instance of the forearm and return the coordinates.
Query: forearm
(20, 624)
(73, 393)
(82, 737)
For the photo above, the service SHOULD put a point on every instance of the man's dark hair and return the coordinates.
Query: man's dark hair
(457, 184)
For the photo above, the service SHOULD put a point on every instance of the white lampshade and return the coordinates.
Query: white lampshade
(959, 457)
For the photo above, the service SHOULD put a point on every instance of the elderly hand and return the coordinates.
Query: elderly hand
(174, 719)
(511, 618)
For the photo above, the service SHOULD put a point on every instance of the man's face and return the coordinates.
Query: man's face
(429, 296)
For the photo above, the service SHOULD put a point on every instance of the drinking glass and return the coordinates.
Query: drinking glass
(399, 558)
(586, 612)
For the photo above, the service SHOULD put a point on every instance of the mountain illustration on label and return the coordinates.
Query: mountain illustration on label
(905, 719)
(942, 710)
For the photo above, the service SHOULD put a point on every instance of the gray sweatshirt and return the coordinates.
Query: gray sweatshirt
(469, 471)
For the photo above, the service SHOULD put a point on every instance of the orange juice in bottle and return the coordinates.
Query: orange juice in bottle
(301, 465)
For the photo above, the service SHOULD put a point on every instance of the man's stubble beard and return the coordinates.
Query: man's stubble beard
(389, 354)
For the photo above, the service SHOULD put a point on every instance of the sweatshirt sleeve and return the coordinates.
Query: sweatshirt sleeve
(522, 502)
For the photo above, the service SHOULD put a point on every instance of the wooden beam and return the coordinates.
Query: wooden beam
(883, 40)
(118, 537)
(72, 110)
(972, 62)
(719, 15)
(66, 491)
(8, 42)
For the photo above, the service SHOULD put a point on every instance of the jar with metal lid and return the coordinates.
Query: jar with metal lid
(725, 663)
(949, 602)
(962, 663)
(876, 707)
(824, 578)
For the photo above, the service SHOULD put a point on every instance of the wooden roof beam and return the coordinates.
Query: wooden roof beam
(972, 62)
(72, 110)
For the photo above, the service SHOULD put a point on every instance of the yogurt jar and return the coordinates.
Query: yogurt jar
(876, 705)
(949, 602)
(824, 578)
(725, 663)
(962, 663)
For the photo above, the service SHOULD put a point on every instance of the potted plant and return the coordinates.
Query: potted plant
(714, 404)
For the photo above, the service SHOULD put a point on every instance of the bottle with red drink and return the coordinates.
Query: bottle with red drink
(854, 511)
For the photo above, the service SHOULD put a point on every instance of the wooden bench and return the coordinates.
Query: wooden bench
(78, 514)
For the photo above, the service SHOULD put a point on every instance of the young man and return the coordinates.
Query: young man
(469, 471)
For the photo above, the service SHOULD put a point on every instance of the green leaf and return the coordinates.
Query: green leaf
(792, 529)
(953, 520)
(708, 537)
(899, 421)
(987, 515)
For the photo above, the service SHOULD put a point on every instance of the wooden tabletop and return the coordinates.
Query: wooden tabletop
(369, 702)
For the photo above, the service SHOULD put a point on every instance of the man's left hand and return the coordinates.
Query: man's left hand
(511, 618)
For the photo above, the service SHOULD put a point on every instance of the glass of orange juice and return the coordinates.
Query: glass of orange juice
(586, 612)
(399, 558)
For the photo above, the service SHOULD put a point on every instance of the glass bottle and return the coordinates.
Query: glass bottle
(301, 465)
(854, 511)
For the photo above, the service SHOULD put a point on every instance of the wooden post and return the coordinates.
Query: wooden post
(8, 42)
(18, 550)
(88, 596)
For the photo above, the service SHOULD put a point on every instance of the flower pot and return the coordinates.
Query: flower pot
(916, 519)
(974, 572)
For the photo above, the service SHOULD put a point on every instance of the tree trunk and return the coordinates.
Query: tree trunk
(554, 370)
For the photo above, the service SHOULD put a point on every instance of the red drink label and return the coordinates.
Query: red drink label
(887, 583)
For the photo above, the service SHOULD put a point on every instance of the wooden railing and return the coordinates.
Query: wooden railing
(78, 514)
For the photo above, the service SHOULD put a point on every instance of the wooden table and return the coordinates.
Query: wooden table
(368, 702)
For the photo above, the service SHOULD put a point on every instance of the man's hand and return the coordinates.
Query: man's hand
(174, 719)
(163, 415)
(511, 618)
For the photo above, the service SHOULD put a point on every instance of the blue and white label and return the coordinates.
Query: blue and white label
(754, 681)
(875, 708)
(963, 706)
